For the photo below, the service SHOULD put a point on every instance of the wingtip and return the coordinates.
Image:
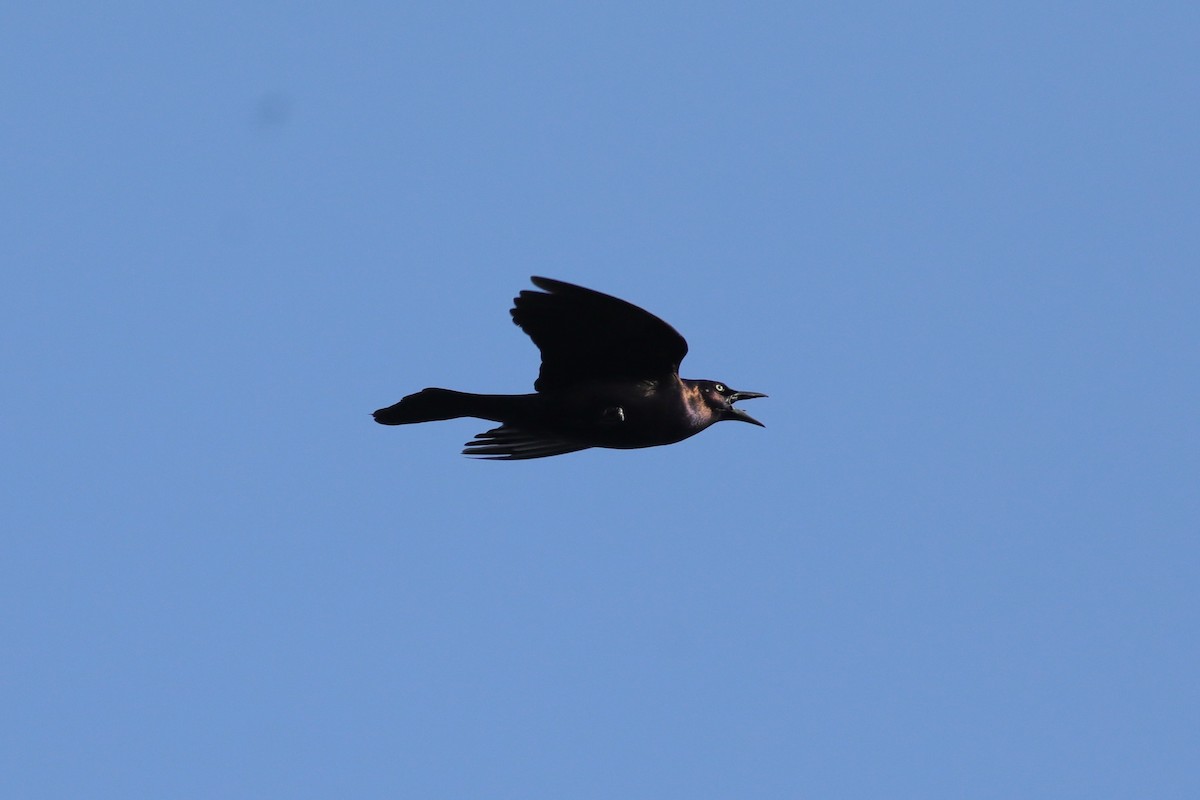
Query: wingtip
(554, 285)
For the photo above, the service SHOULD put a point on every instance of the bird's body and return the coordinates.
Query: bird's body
(609, 378)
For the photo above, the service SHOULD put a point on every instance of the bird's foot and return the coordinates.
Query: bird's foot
(613, 415)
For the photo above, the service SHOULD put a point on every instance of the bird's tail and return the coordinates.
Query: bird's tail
(428, 405)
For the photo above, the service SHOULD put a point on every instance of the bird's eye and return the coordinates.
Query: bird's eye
(720, 387)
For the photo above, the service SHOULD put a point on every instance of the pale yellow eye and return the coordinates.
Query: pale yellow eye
(720, 387)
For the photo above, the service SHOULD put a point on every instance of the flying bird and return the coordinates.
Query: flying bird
(609, 378)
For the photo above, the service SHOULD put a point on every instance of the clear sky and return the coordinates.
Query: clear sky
(957, 244)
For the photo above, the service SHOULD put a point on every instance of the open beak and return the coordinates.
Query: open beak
(737, 413)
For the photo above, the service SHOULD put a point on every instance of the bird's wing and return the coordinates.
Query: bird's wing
(507, 443)
(586, 335)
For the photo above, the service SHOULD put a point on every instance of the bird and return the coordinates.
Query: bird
(609, 377)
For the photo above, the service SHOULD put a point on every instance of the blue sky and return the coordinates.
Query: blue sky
(956, 244)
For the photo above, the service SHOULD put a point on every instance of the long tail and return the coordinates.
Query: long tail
(428, 405)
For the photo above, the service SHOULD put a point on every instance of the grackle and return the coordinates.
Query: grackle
(609, 378)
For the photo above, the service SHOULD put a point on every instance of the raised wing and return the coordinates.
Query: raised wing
(585, 336)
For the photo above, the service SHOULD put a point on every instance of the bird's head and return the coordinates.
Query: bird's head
(720, 399)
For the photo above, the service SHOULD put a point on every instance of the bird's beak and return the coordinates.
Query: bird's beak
(737, 413)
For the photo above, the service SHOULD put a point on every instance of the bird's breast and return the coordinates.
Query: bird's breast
(624, 415)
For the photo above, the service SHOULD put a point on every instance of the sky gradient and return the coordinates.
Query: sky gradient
(957, 246)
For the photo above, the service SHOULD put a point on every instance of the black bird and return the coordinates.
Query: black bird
(609, 378)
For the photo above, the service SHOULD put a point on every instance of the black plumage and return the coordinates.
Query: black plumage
(609, 378)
